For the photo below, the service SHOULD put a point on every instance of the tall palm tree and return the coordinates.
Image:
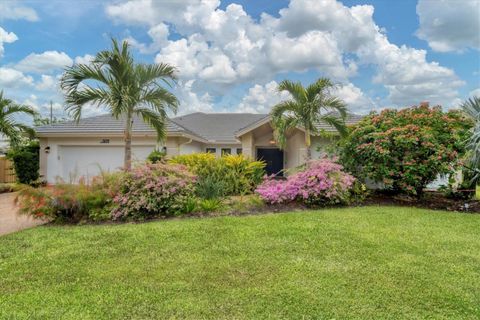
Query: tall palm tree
(472, 108)
(307, 107)
(126, 88)
(10, 127)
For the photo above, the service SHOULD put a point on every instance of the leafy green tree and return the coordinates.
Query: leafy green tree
(306, 108)
(10, 126)
(406, 149)
(114, 80)
(472, 108)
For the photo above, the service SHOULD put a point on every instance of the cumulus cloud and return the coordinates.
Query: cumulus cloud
(6, 37)
(475, 93)
(47, 83)
(354, 98)
(449, 25)
(261, 98)
(191, 101)
(11, 78)
(223, 48)
(86, 59)
(45, 62)
(15, 11)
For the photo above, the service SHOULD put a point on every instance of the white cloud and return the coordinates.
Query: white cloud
(261, 99)
(221, 48)
(47, 83)
(449, 25)
(475, 93)
(354, 98)
(158, 34)
(86, 59)
(6, 37)
(314, 49)
(44, 62)
(190, 101)
(11, 78)
(15, 11)
(147, 12)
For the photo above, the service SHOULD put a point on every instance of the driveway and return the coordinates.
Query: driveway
(10, 220)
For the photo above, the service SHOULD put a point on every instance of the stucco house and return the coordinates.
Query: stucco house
(71, 150)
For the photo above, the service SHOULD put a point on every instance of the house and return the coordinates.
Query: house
(71, 150)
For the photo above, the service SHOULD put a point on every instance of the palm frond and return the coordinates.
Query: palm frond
(472, 107)
(336, 122)
(156, 120)
(320, 87)
(294, 88)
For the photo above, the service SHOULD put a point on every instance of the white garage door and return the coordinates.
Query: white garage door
(88, 161)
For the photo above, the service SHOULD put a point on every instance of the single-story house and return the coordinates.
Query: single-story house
(71, 150)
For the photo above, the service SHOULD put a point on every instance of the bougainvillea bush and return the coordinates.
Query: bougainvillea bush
(406, 149)
(152, 190)
(323, 182)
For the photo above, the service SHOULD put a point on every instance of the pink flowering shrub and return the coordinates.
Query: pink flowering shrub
(322, 183)
(153, 189)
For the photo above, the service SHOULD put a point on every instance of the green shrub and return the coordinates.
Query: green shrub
(190, 205)
(63, 202)
(210, 205)
(406, 149)
(26, 161)
(72, 202)
(153, 190)
(238, 174)
(210, 188)
(156, 156)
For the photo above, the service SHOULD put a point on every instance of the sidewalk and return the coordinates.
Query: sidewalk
(10, 220)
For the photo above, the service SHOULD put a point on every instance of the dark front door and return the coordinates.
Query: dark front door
(274, 159)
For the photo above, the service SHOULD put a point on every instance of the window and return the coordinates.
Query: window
(239, 151)
(226, 151)
(211, 150)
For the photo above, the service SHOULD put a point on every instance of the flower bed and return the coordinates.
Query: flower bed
(322, 183)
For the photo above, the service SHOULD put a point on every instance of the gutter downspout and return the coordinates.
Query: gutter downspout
(182, 144)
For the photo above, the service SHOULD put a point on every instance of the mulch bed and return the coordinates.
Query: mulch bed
(430, 200)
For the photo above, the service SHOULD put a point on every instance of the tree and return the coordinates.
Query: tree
(472, 109)
(406, 149)
(307, 107)
(126, 88)
(10, 126)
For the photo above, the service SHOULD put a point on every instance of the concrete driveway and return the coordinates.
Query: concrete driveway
(10, 220)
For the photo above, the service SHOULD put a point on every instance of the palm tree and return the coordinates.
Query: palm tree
(307, 107)
(10, 127)
(126, 88)
(472, 108)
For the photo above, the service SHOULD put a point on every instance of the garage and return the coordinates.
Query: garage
(88, 161)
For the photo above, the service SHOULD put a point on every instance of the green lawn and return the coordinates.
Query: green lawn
(380, 262)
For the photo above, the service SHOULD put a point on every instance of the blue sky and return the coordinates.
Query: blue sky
(232, 54)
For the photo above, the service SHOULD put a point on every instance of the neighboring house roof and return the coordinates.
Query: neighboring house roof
(204, 127)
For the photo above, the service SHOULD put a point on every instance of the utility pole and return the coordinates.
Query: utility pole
(51, 112)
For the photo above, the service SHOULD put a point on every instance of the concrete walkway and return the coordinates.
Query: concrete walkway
(10, 220)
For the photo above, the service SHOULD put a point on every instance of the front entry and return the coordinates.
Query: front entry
(274, 159)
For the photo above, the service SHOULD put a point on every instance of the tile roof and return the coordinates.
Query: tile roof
(217, 127)
(213, 127)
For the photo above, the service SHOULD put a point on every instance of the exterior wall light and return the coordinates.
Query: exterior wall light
(47, 149)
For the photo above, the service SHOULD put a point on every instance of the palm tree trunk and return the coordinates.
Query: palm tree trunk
(127, 162)
(307, 144)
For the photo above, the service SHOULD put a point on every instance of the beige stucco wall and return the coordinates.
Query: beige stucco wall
(322, 146)
(294, 153)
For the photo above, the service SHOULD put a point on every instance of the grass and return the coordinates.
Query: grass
(370, 262)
